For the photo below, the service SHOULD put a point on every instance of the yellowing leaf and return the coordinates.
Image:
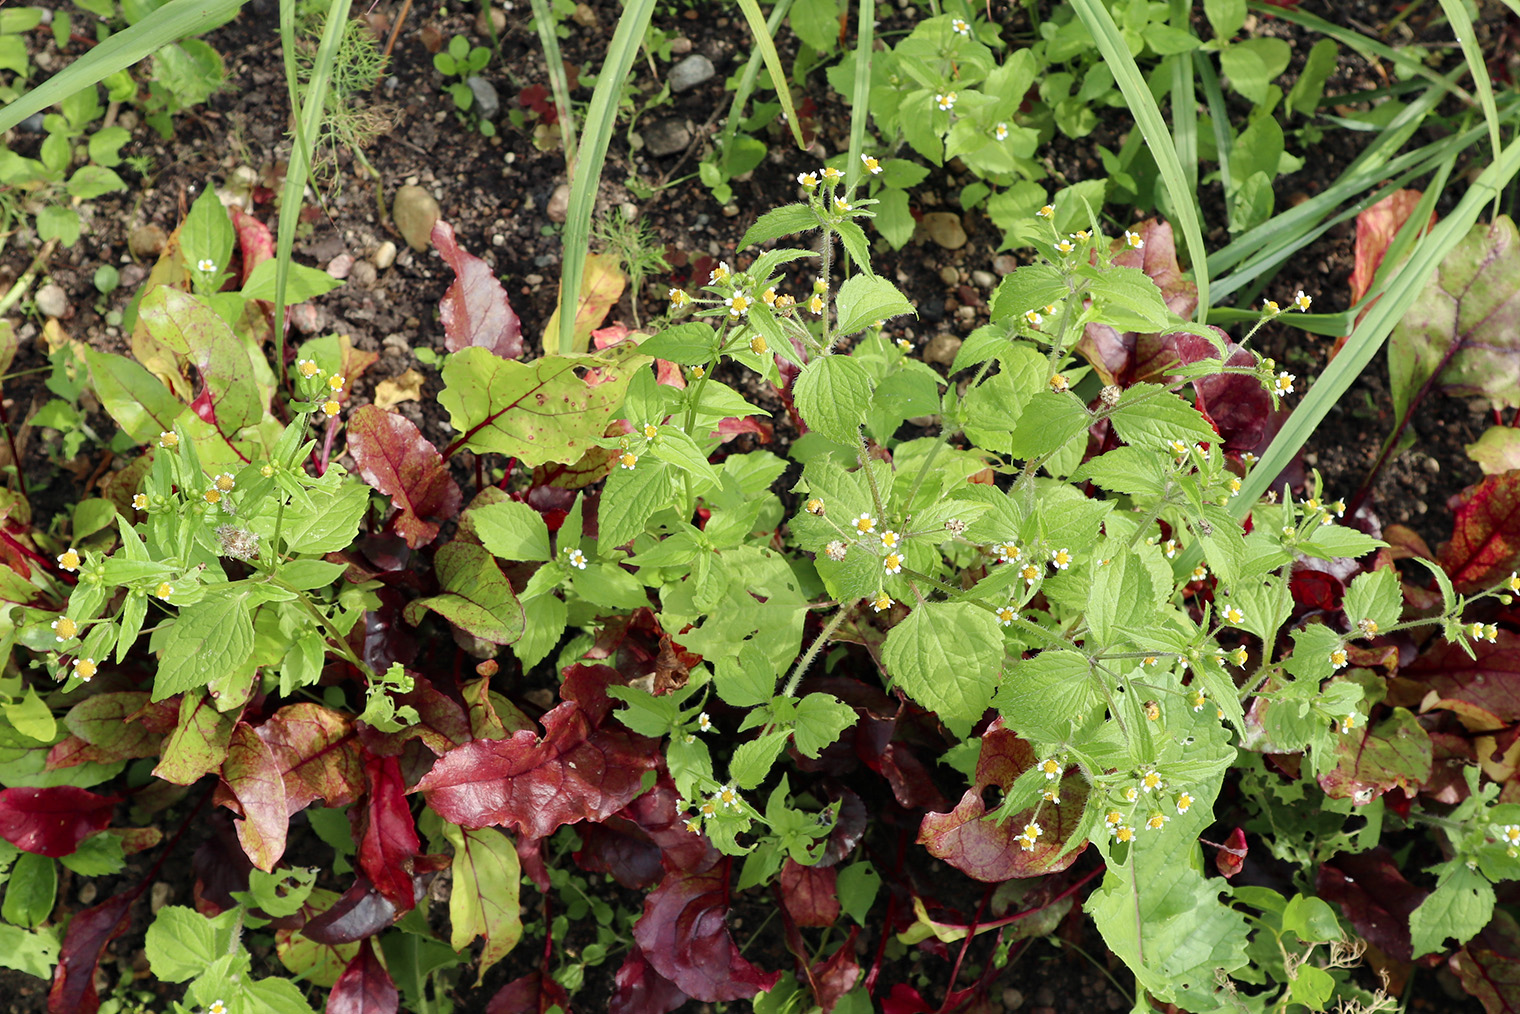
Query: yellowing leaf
(406, 387)
(601, 288)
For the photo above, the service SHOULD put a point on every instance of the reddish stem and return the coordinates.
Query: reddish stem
(955, 971)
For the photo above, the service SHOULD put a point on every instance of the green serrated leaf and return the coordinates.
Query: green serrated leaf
(946, 656)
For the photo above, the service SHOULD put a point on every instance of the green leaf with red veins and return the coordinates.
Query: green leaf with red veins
(484, 903)
(1462, 335)
(993, 851)
(394, 457)
(182, 325)
(254, 778)
(102, 722)
(141, 405)
(1489, 964)
(316, 753)
(476, 595)
(536, 412)
(199, 742)
(1396, 753)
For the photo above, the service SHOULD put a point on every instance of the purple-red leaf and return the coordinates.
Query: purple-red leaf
(361, 912)
(1489, 681)
(808, 894)
(835, 976)
(475, 310)
(575, 771)
(1235, 403)
(73, 990)
(52, 821)
(1485, 537)
(365, 987)
(1231, 859)
(255, 780)
(1126, 357)
(388, 841)
(1375, 896)
(683, 935)
(394, 457)
(989, 850)
(641, 989)
(531, 994)
(1489, 965)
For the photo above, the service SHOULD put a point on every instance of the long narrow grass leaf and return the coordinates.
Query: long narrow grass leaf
(1361, 44)
(1467, 38)
(860, 97)
(601, 115)
(1401, 292)
(175, 20)
(1184, 100)
(748, 77)
(767, 47)
(1148, 117)
(543, 20)
(309, 109)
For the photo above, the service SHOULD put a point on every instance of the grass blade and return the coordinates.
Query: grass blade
(309, 109)
(543, 20)
(860, 97)
(1184, 100)
(1163, 147)
(173, 21)
(748, 77)
(601, 115)
(1467, 38)
(772, 59)
(1403, 288)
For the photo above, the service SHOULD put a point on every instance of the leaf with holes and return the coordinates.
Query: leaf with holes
(1396, 753)
(992, 851)
(394, 457)
(475, 309)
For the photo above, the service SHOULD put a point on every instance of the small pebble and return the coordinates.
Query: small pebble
(1012, 999)
(341, 266)
(306, 318)
(949, 275)
(984, 279)
(52, 301)
(1004, 264)
(147, 241)
(384, 255)
(363, 274)
(584, 16)
(559, 203)
(944, 228)
(415, 212)
(534, 280)
(941, 349)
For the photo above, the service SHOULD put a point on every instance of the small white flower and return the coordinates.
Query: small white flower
(946, 101)
(1000, 132)
(809, 180)
(864, 524)
(1284, 382)
(1133, 240)
(576, 559)
(960, 27)
(704, 723)
(1005, 615)
(206, 266)
(1060, 559)
(892, 563)
(1301, 302)
(872, 166)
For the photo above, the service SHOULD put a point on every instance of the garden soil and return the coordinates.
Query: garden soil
(497, 194)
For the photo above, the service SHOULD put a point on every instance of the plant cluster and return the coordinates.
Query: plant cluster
(421, 714)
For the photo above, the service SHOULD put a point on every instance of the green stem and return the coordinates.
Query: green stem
(334, 637)
(828, 631)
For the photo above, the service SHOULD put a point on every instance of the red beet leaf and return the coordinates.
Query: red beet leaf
(988, 850)
(836, 975)
(53, 821)
(475, 309)
(683, 935)
(808, 894)
(361, 912)
(1375, 896)
(253, 777)
(394, 457)
(388, 840)
(1490, 681)
(316, 753)
(254, 240)
(89, 932)
(1235, 403)
(531, 994)
(1125, 357)
(1485, 538)
(575, 771)
(642, 990)
(365, 987)
(1489, 964)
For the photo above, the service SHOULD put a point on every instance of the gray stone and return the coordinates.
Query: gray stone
(31, 125)
(52, 301)
(984, 279)
(667, 137)
(690, 72)
(415, 212)
(559, 203)
(341, 266)
(949, 275)
(363, 274)
(487, 102)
